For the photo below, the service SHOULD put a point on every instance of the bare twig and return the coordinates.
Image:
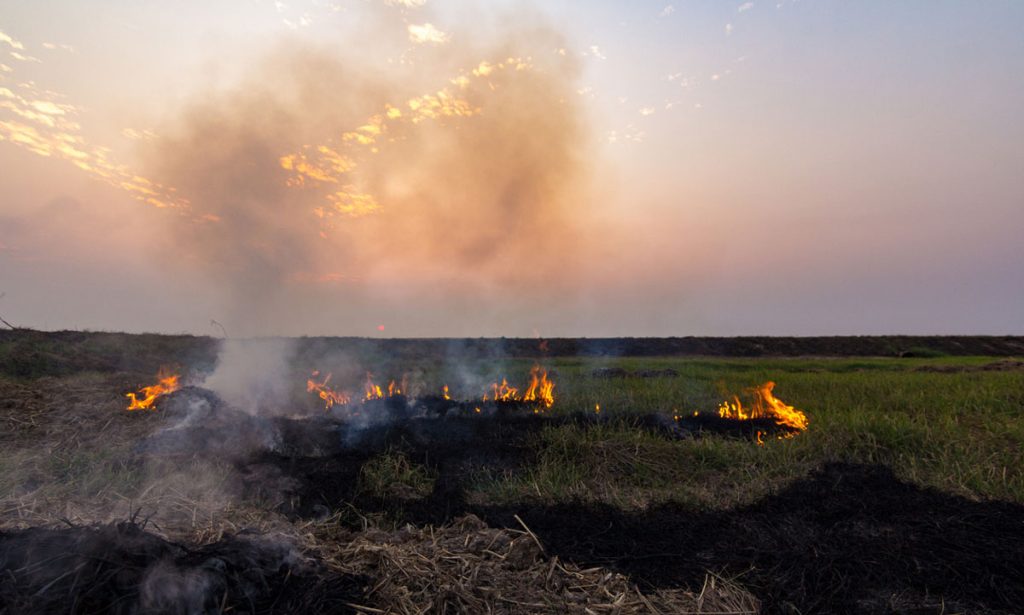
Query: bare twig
(223, 331)
(532, 535)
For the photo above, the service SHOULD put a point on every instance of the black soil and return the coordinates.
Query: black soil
(849, 538)
(122, 569)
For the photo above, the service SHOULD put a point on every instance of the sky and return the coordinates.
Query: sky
(422, 168)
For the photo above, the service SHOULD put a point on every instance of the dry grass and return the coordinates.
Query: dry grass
(468, 567)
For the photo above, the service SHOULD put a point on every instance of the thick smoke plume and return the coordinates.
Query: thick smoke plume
(337, 181)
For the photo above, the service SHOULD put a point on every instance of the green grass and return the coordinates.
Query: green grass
(958, 431)
(961, 432)
(392, 474)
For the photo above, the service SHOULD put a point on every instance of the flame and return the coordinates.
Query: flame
(327, 394)
(503, 392)
(540, 389)
(167, 382)
(540, 392)
(372, 390)
(765, 405)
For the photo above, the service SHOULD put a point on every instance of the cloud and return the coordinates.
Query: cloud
(5, 38)
(427, 33)
(746, 6)
(23, 58)
(668, 10)
(646, 111)
(728, 29)
(34, 120)
(596, 52)
(60, 46)
(409, 4)
(137, 135)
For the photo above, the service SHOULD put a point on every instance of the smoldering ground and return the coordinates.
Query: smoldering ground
(383, 172)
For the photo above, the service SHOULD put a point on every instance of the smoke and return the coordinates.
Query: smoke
(336, 181)
(255, 375)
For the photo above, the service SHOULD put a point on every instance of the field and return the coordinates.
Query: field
(905, 494)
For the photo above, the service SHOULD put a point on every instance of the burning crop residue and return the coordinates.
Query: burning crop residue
(765, 405)
(540, 391)
(330, 396)
(538, 394)
(758, 419)
(167, 382)
(766, 414)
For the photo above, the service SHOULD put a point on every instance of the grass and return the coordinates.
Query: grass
(959, 430)
(392, 474)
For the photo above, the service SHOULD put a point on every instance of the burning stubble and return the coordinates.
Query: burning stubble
(444, 173)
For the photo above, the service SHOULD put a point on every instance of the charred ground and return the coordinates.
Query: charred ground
(904, 496)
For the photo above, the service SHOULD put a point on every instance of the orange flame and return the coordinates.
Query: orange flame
(540, 389)
(167, 382)
(503, 392)
(372, 390)
(765, 405)
(327, 394)
(392, 389)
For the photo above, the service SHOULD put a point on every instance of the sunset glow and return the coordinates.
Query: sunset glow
(479, 169)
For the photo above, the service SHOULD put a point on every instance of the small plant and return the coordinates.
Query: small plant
(393, 475)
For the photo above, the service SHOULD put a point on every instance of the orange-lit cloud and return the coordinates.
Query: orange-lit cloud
(43, 124)
(427, 33)
(409, 4)
(325, 164)
(10, 42)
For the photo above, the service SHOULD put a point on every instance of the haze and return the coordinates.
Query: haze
(435, 168)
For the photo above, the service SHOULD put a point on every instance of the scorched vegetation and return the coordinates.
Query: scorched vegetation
(602, 481)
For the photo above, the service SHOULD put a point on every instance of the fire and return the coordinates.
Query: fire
(540, 392)
(325, 393)
(167, 382)
(765, 405)
(540, 389)
(373, 391)
(503, 392)
(394, 389)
